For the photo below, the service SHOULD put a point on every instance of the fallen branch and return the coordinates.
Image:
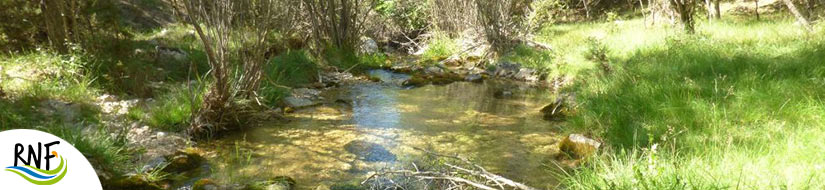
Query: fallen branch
(453, 176)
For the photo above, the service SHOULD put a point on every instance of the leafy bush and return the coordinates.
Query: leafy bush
(173, 110)
(440, 47)
(291, 69)
(408, 15)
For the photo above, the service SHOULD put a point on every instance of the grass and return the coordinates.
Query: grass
(540, 60)
(172, 110)
(440, 47)
(34, 77)
(737, 106)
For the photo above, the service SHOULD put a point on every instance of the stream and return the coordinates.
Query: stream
(496, 124)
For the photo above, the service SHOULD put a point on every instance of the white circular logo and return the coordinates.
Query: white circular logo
(32, 159)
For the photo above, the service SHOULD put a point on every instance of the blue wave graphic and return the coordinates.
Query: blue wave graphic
(31, 173)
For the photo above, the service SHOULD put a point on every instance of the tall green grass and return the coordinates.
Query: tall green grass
(738, 106)
(440, 47)
(32, 78)
(172, 110)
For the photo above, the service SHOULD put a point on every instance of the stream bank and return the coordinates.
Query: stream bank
(358, 128)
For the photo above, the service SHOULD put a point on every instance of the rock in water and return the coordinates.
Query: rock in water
(578, 146)
(205, 184)
(473, 78)
(555, 111)
(502, 94)
(369, 152)
(183, 161)
(303, 97)
(526, 74)
(295, 102)
(280, 183)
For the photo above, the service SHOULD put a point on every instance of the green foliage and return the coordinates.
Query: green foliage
(408, 15)
(542, 13)
(440, 47)
(540, 60)
(105, 151)
(349, 60)
(723, 109)
(375, 60)
(18, 29)
(122, 67)
(44, 76)
(292, 68)
(173, 110)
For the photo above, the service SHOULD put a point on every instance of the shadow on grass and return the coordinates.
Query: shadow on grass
(696, 86)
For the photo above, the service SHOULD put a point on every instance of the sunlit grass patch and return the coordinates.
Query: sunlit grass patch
(440, 47)
(737, 106)
(171, 111)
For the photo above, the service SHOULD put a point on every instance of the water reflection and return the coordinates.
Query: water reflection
(506, 135)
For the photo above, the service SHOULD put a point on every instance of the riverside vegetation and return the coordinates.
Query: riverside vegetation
(680, 94)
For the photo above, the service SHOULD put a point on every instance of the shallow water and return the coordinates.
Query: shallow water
(505, 134)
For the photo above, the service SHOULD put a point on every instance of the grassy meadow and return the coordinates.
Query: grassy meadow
(739, 105)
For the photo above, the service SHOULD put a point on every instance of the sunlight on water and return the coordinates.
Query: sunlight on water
(504, 134)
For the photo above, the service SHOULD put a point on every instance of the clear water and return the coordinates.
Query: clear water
(505, 134)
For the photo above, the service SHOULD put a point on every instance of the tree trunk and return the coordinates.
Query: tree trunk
(642, 6)
(685, 8)
(716, 6)
(709, 9)
(756, 8)
(799, 17)
(54, 23)
(810, 9)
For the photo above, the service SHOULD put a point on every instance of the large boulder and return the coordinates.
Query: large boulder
(368, 46)
(578, 146)
(370, 152)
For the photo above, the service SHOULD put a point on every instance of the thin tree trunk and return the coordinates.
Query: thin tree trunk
(686, 9)
(810, 9)
(642, 6)
(756, 8)
(716, 6)
(709, 9)
(55, 27)
(799, 17)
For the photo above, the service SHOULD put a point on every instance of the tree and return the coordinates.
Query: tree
(503, 21)
(708, 7)
(756, 8)
(685, 9)
(337, 24)
(799, 17)
(56, 20)
(223, 26)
